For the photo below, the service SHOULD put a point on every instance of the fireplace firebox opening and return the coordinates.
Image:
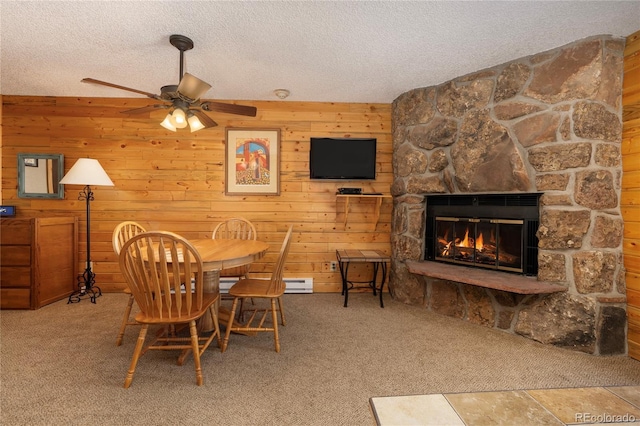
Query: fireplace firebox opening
(492, 231)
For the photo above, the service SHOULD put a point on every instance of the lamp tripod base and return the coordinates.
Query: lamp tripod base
(86, 288)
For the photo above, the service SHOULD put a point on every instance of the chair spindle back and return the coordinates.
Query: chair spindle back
(235, 228)
(277, 284)
(155, 265)
(123, 232)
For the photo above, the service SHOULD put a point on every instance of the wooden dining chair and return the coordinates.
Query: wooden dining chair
(260, 288)
(155, 265)
(121, 234)
(240, 229)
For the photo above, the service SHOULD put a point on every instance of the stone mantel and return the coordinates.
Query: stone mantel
(547, 123)
(496, 280)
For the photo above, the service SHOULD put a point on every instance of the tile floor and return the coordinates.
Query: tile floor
(596, 405)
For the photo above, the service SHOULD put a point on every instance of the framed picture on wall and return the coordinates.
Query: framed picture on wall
(252, 163)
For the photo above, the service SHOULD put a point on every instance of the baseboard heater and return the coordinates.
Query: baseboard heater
(294, 285)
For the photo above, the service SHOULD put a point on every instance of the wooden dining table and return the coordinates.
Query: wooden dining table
(218, 254)
(222, 253)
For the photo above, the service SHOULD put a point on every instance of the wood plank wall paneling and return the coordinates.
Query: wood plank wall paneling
(175, 181)
(630, 197)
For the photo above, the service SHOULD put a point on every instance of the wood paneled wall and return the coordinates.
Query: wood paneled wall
(175, 181)
(630, 198)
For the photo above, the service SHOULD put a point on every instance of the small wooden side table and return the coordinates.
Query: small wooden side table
(376, 257)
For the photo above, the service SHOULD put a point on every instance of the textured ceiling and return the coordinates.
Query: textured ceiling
(345, 51)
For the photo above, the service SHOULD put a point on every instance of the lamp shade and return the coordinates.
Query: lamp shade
(194, 123)
(166, 123)
(86, 171)
(192, 87)
(179, 118)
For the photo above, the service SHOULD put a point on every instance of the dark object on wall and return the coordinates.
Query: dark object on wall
(350, 191)
(346, 158)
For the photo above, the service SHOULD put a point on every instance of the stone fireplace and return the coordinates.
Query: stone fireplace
(548, 124)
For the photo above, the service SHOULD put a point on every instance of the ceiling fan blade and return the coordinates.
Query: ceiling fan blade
(229, 108)
(204, 118)
(117, 86)
(145, 109)
(192, 87)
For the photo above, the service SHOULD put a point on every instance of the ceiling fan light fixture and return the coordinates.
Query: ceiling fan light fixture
(192, 87)
(194, 123)
(167, 124)
(179, 118)
(183, 100)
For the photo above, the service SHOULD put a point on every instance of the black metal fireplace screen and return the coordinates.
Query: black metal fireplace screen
(495, 231)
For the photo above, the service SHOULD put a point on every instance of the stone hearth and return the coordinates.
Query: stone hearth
(547, 123)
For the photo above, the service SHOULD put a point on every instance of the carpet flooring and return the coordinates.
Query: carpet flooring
(59, 366)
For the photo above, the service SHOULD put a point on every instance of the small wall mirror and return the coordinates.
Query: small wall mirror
(39, 175)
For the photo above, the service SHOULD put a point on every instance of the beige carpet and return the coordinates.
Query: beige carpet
(60, 365)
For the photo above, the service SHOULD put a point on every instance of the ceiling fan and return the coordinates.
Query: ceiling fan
(183, 100)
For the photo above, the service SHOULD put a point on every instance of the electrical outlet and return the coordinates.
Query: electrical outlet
(334, 266)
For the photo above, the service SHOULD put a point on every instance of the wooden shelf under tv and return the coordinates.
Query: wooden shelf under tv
(378, 197)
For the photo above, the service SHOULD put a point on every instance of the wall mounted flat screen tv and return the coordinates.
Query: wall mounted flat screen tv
(342, 158)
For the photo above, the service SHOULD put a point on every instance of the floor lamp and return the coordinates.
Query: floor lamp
(86, 172)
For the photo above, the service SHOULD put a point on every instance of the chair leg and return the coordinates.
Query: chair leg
(125, 320)
(227, 332)
(136, 355)
(216, 325)
(281, 308)
(274, 315)
(241, 311)
(195, 348)
(215, 334)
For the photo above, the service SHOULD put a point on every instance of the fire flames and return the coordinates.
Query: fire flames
(480, 249)
(469, 242)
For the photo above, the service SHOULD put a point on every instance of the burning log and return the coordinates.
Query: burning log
(487, 255)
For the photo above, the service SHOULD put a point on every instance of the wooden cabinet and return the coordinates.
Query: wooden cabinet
(38, 261)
